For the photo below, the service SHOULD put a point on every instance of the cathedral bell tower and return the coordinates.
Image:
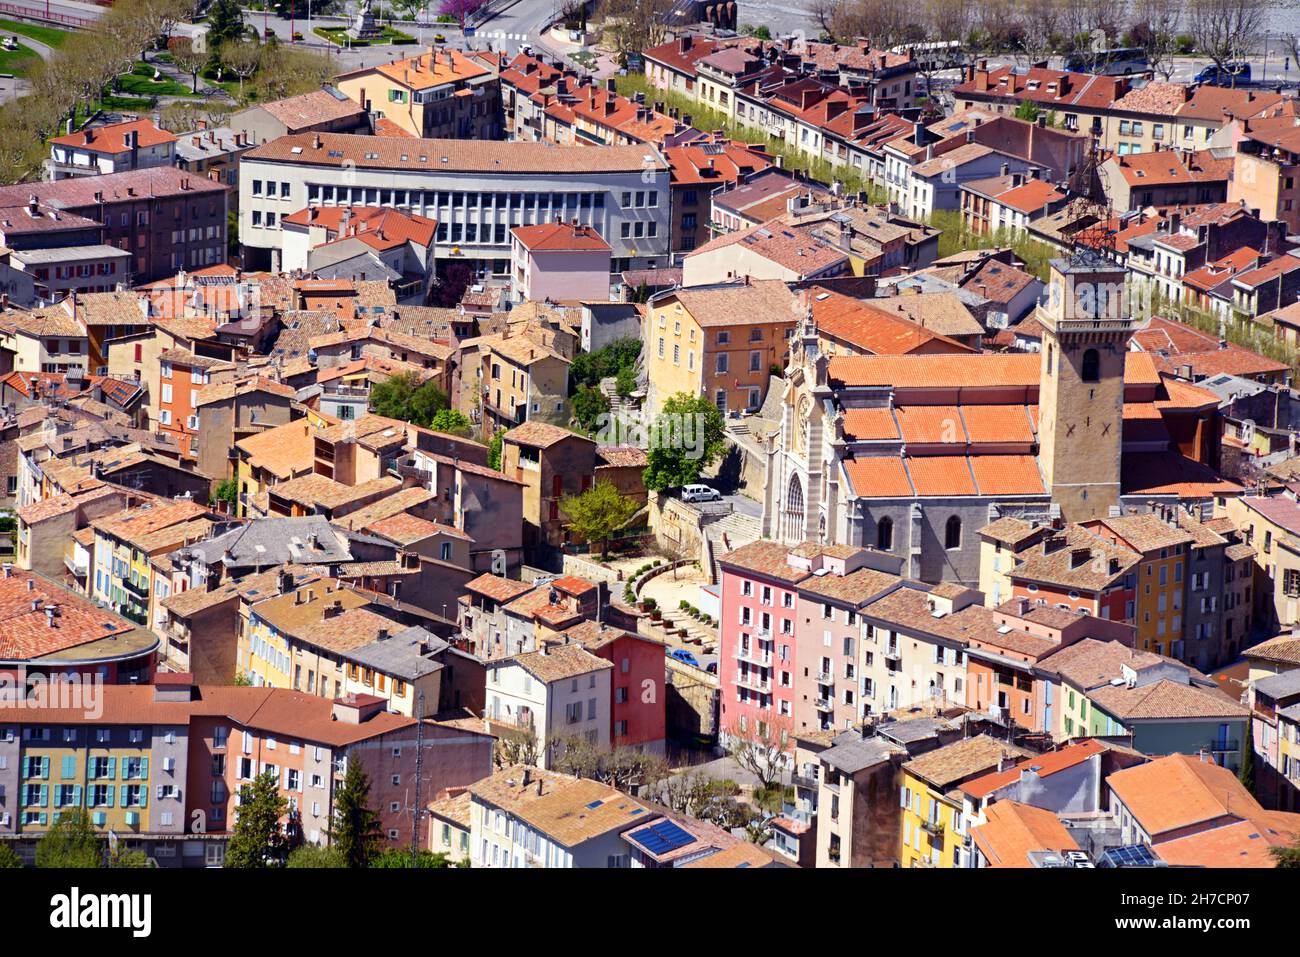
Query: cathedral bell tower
(1086, 332)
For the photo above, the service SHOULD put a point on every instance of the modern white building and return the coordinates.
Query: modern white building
(476, 190)
(556, 693)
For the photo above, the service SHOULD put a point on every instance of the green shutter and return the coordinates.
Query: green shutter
(144, 768)
(125, 796)
(112, 769)
(76, 795)
(109, 802)
(69, 767)
(45, 795)
(45, 768)
(144, 795)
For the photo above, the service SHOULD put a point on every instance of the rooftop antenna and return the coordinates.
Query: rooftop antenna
(416, 811)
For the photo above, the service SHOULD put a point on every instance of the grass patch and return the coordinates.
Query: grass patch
(339, 37)
(956, 237)
(140, 82)
(19, 62)
(46, 35)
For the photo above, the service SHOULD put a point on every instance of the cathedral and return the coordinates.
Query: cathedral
(913, 454)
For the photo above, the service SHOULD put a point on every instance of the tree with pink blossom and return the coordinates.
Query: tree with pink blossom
(460, 9)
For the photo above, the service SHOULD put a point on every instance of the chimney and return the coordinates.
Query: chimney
(49, 616)
(316, 141)
(982, 76)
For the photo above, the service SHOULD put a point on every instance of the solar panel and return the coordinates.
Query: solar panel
(663, 836)
(1133, 855)
(593, 805)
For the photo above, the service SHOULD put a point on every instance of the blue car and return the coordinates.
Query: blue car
(1225, 75)
(684, 656)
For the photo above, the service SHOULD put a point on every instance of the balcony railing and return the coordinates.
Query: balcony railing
(825, 677)
(754, 656)
(1224, 747)
(933, 828)
(803, 781)
(754, 683)
(824, 704)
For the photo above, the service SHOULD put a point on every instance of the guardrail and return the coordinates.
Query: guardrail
(45, 16)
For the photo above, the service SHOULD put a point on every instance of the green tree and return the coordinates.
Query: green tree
(1246, 774)
(598, 512)
(225, 24)
(124, 858)
(396, 857)
(1027, 110)
(355, 834)
(1287, 856)
(9, 857)
(315, 856)
(405, 397)
(589, 404)
(689, 437)
(625, 381)
(588, 368)
(258, 839)
(71, 843)
(494, 450)
(451, 421)
(227, 491)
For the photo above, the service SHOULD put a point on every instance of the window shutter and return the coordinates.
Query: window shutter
(45, 767)
(69, 767)
(112, 769)
(109, 802)
(125, 796)
(45, 795)
(144, 768)
(76, 795)
(144, 795)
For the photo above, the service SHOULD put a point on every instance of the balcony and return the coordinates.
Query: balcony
(754, 683)
(1224, 747)
(136, 589)
(934, 829)
(891, 651)
(754, 656)
(803, 781)
(824, 704)
(826, 677)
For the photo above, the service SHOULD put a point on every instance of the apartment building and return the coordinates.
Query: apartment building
(436, 94)
(553, 694)
(559, 261)
(162, 766)
(165, 218)
(476, 190)
(111, 148)
(720, 340)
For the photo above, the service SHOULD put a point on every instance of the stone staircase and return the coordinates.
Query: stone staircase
(728, 533)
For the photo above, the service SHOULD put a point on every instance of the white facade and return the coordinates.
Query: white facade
(475, 211)
(577, 707)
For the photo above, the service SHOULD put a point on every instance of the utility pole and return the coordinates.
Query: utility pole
(419, 780)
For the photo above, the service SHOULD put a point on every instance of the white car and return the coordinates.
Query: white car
(700, 493)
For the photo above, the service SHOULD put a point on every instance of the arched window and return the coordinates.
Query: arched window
(794, 510)
(885, 534)
(952, 533)
(1091, 366)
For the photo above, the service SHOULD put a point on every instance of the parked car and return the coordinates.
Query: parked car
(711, 667)
(684, 656)
(1226, 75)
(700, 493)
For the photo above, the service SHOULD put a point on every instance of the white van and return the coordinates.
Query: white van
(700, 493)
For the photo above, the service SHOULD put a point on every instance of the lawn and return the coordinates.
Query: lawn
(47, 35)
(339, 37)
(140, 82)
(18, 62)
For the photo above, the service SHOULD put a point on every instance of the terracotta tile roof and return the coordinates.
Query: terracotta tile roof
(1090, 663)
(78, 192)
(427, 70)
(463, 156)
(309, 109)
(25, 630)
(1007, 475)
(997, 424)
(714, 164)
(954, 763)
(112, 138)
(874, 327)
(755, 302)
(792, 249)
(926, 424)
(1047, 87)
(405, 529)
(1284, 649)
(984, 369)
(560, 237)
(1010, 530)
(1012, 831)
(1084, 561)
(866, 425)
(569, 811)
(1166, 700)
(765, 558)
(132, 525)
(1171, 473)
(1181, 791)
(1146, 533)
(542, 435)
(1161, 99)
(497, 588)
(882, 476)
(1171, 167)
(941, 475)
(320, 490)
(249, 587)
(387, 507)
(1241, 844)
(560, 662)
(284, 451)
(621, 457)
